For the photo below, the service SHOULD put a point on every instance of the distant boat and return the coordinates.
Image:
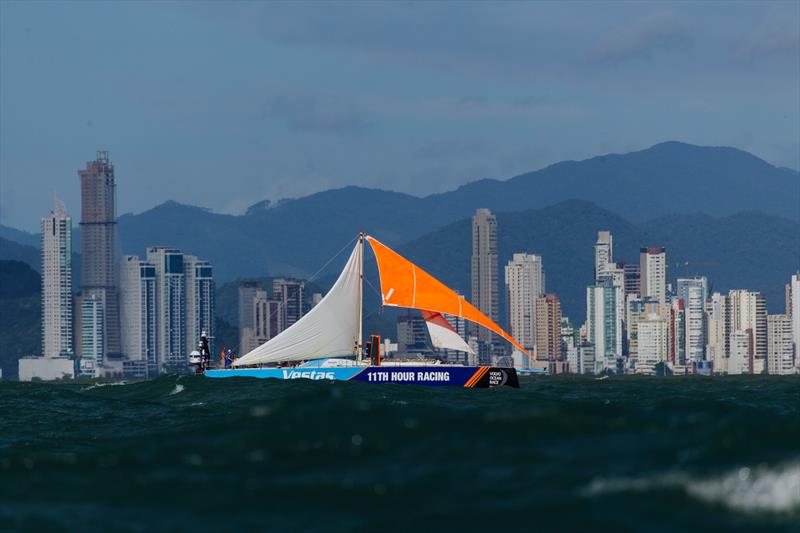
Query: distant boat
(326, 343)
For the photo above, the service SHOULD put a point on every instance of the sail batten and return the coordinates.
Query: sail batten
(404, 284)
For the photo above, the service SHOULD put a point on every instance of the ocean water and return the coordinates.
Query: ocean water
(564, 453)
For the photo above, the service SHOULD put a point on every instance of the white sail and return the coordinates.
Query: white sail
(443, 336)
(330, 329)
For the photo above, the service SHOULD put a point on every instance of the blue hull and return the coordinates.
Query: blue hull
(434, 375)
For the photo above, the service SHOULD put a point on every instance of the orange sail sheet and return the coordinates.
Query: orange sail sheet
(404, 284)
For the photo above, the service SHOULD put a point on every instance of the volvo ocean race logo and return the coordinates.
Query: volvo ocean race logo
(497, 377)
(307, 374)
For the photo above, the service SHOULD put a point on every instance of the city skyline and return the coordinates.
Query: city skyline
(624, 335)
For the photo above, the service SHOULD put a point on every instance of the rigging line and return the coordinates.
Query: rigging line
(371, 286)
(323, 267)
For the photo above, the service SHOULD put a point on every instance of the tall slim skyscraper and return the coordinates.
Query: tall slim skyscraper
(795, 314)
(604, 323)
(524, 280)
(603, 253)
(694, 293)
(718, 333)
(653, 267)
(57, 283)
(198, 275)
(484, 280)
(138, 313)
(247, 337)
(98, 244)
(170, 308)
(548, 330)
(92, 329)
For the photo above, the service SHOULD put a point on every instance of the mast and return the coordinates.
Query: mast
(360, 296)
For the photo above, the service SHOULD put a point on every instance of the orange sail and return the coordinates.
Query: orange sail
(404, 284)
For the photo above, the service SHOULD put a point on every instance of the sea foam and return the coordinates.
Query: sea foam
(761, 489)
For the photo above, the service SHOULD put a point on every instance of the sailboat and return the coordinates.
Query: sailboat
(326, 343)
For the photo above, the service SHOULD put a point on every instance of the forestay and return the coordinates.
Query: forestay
(330, 329)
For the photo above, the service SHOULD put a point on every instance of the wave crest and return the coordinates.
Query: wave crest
(762, 489)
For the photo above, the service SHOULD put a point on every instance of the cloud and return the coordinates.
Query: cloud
(642, 39)
(308, 114)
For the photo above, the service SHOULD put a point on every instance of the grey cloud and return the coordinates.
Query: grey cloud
(308, 114)
(653, 33)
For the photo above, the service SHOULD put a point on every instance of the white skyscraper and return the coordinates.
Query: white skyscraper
(57, 283)
(653, 341)
(199, 278)
(92, 341)
(604, 324)
(524, 284)
(780, 347)
(747, 314)
(170, 308)
(694, 293)
(717, 331)
(138, 314)
(741, 352)
(603, 253)
(794, 287)
(653, 266)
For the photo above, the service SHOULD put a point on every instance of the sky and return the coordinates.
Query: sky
(223, 105)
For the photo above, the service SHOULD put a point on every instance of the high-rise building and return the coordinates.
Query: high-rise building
(603, 253)
(57, 283)
(170, 308)
(676, 345)
(718, 332)
(92, 330)
(138, 313)
(632, 273)
(289, 291)
(747, 314)
(652, 349)
(694, 293)
(604, 325)
(795, 314)
(98, 244)
(548, 330)
(780, 347)
(638, 309)
(247, 295)
(741, 352)
(524, 280)
(199, 278)
(267, 317)
(484, 280)
(653, 267)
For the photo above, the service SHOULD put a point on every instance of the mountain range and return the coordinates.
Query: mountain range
(726, 212)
